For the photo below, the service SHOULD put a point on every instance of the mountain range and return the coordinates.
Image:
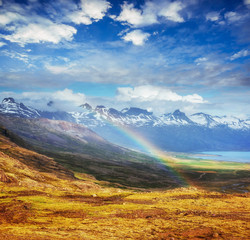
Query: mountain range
(171, 131)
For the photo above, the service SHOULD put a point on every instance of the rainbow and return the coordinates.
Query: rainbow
(152, 150)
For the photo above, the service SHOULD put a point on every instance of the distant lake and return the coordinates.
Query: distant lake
(224, 156)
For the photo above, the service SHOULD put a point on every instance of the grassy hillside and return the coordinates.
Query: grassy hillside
(41, 200)
(71, 147)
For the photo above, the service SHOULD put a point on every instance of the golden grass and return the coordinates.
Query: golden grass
(107, 213)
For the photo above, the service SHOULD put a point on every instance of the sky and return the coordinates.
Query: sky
(159, 55)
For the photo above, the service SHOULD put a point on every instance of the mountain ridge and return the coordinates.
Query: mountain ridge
(132, 115)
(170, 132)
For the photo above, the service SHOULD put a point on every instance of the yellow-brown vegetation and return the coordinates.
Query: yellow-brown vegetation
(115, 214)
(40, 205)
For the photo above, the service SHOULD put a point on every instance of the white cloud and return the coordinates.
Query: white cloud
(137, 37)
(16, 55)
(200, 60)
(95, 9)
(148, 93)
(137, 17)
(26, 25)
(194, 98)
(1, 2)
(171, 11)
(80, 18)
(150, 13)
(68, 95)
(57, 69)
(89, 11)
(37, 33)
(213, 16)
(2, 44)
(242, 53)
(232, 17)
(62, 100)
(9, 17)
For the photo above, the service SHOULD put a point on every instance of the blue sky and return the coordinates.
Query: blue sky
(159, 55)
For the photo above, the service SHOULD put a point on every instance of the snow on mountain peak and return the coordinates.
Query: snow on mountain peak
(176, 118)
(10, 107)
(203, 119)
(132, 116)
(86, 106)
(8, 100)
(137, 111)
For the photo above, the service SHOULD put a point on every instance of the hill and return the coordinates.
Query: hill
(41, 200)
(81, 150)
(25, 168)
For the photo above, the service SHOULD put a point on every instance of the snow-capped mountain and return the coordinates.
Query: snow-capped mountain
(102, 116)
(176, 118)
(172, 131)
(140, 117)
(203, 119)
(216, 121)
(10, 107)
(136, 117)
(232, 122)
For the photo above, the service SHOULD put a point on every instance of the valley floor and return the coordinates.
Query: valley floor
(111, 213)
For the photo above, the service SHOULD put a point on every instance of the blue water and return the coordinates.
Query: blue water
(243, 157)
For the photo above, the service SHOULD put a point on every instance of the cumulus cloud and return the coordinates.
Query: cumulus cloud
(242, 53)
(65, 100)
(68, 95)
(137, 17)
(171, 11)
(9, 17)
(148, 93)
(213, 16)
(137, 37)
(38, 33)
(150, 13)
(24, 24)
(89, 11)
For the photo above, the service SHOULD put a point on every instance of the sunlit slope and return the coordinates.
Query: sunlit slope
(24, 168)
(81, 150)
